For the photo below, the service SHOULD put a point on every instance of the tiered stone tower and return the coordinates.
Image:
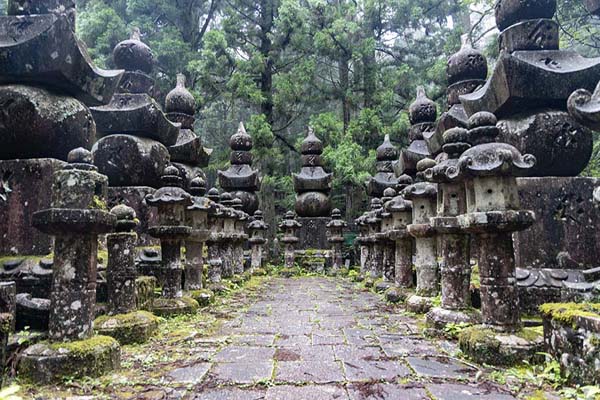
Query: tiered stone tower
(528, 92)
(240, 179)
(385, 177)
(312, 186)
(134, 134)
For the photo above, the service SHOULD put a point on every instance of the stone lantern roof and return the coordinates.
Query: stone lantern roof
(134, 55)
(172, 190)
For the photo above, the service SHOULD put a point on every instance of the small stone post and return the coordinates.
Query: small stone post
(229, 216)
(240, 237)
(215, 224)
(197, 218)
(171, 201)
(423, 196)
(289, 226)
(257, 240)
(335, 232)
(363, 242)
(123, 321)
(388, 246)
(373, 221)
(401, 210)
(121, 271)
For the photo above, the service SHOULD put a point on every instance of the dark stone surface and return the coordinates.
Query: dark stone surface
(25, 187)
(313, 233)
(441, 367)
(37, 123)
(457, 391)
(134, 197)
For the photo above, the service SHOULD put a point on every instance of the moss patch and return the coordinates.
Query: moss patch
(171, 307)
(566, 313)
(203, 296)
(134, 327)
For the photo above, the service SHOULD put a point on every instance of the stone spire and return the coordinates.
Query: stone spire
(240, 179)
(385, 177)
(312, 184)
(530, 85)
(423, 113)
(466, 71)
(132, 128)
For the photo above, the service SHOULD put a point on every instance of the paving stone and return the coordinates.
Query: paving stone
(441, 367)
(448, 391)
(229, 393)
(319, 340)
(234, 354)
(253, 340)
(349, 352)
(293, 340)
(242, 373)
(192, 374)
(308, 392)
(309, 371)
(406, 346)
(361, 370)
(385, 391)
(313, 353)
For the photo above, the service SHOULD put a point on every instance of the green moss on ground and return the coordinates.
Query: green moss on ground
(203, 296)
(134, 327)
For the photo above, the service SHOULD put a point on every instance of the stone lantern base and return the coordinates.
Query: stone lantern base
(130, 328)
(203, 296)
(164, 307)
(439, 318)
(48, 362)
(419, 304)
(397, 294)
(486, 346)
(313, 233)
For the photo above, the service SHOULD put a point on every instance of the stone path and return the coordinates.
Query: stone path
(308, 338)
(319, 338)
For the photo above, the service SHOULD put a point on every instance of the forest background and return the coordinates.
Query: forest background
(348, 68)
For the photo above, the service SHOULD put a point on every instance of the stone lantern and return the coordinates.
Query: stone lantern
(124, 322)
(229, 217)
(401, 210)
(290, 227)
(335, 233)
(424, 198)
(493, 213)
(363, 242)
(76, 219)
(171, 202)
(453, 241)
(373, 221)
(197, 218)
(240, 237)
(388, 245)
(215, 225)
(257, 239)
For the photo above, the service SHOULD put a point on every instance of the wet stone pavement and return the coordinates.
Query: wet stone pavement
(321, 338)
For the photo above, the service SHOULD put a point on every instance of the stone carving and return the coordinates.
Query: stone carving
(257, 240)
(171, 201)
(335, 230)
(529, 88)
(401, 210)
(240, 179)
(289, 226)
(385, 177)
(215, 224)
(312, 184)
(197, 218)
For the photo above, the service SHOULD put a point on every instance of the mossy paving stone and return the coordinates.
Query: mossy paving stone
(450, 391)
(387, 391)
(441, 367)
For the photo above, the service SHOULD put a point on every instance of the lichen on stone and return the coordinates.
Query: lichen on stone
(566, 313)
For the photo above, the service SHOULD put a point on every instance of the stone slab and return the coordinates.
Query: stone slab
(242, 373)
(441, 367)
(308, 392)
(312, 235)
(449, 391)
(309, 371)
(387, 391)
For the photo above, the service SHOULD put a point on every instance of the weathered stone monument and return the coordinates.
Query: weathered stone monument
(257, 240)
(123, 320)
(8, 310)
(215, 225)
(133, 135)
(423, 196)
(335, 236)
(240, 180)
(387, 155)
(289, 227)
(401, 210)
(171, 202)
(528, 92)
(493, 213)
(312, 185)
(75, 219)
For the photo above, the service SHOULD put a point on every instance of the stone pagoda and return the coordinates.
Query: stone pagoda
(47, 80)
(134, 134)
(387, 155)
(187, 154)
(423, 113)
(313, 204)
(528, 92)
(240, 180)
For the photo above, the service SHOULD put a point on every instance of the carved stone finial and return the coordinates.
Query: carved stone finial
(133, 54)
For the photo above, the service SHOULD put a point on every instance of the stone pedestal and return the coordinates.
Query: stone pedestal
(7, 319)
(25, 187)
(121, 272)
(313, 233)
(561, 243)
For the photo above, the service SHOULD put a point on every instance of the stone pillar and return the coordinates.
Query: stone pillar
(215, 223)
(257, 240)
(335, 230)
(197, 218)
(171, 201)
(373, 221)
(401, 210)
(121, 271)
(240, 237)
(227, 244)
(8, 309)
(289, 226)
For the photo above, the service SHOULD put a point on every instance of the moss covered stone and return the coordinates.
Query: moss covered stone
(164, 307)
(134, 327)
(144, 292)
(259, 272)
(503, 349)
(48, 362)
(566, 313)
(203, 296)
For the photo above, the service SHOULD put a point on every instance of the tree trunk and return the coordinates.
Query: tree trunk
(344, 75)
